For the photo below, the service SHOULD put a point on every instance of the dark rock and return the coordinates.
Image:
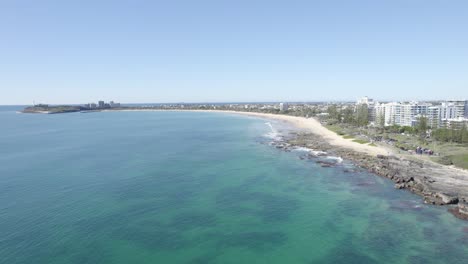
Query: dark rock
(420, 177)
(457, 213)
(400, 186)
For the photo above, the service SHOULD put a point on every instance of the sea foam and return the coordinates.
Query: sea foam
(309, 150)
(273, 134)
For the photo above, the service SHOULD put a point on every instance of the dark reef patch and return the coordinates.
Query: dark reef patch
(266, 206)
(345, 253)
(255, 241)
(153, 239)
(189, 220)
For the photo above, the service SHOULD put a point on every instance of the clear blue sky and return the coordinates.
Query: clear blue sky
(214, 51)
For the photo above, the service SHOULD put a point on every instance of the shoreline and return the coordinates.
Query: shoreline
(437, 184)
(299, 122)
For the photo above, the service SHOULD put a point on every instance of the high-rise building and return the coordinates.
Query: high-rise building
(392, 113)
(114, 104)
(365, 100)
(379, 111)
(449, 111)
(101, 104)
(370, 104)
(283, 107)
(402, 114)
(466, 109)
(433, 116)
(460, 106)
(408, 114)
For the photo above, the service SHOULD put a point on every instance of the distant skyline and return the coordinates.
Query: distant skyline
(232, 51)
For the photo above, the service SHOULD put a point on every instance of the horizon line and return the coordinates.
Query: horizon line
(249, 102)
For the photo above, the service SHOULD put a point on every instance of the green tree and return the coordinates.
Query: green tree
(334, 113)
(362, 115)
(464, 134)
(381, 120)
(421, 128)
(332, 110)
(348, 116)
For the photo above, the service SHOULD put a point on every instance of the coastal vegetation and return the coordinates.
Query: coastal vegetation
(360, 141)
(449, 145)
(58, 109)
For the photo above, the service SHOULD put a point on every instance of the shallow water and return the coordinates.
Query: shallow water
(171, 187)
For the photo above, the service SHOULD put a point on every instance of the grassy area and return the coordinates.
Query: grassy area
(361, 141)
(347, 133)
(452, 154)
(448, 153)
(337, 129)
(460, 160)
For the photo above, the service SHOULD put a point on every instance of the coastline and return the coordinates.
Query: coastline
(206, 172)
(437, 184)
(302, 123)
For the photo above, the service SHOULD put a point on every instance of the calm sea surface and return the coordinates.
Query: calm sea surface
(169, 187)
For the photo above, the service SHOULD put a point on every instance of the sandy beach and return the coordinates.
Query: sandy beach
(313, 126)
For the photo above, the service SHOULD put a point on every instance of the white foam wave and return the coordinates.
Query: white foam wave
(338, 159)
(273, 134)
(271, 126)
(302, 149)
(313, 152)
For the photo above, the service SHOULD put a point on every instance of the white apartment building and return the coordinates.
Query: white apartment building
(402, 114)
(283, 107)
(392, 114)
(371, 104)
(461, 107)
(455, 123)
(433, 116)
(379, 110)
(407, 114)
(466, 109)
(449, 111)
(365, 100)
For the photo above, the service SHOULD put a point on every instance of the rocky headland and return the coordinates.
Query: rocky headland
(437, 184)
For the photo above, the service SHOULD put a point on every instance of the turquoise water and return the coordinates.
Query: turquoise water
(168, 187)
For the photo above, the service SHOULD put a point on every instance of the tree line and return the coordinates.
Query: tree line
(451, 135)
(357, 117)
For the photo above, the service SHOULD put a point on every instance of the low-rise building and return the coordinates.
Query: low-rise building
(455, 123)
(114, 104)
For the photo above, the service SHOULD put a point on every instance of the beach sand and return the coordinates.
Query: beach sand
(313, 126)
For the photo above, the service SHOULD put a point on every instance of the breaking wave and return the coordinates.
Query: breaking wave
(273, 134)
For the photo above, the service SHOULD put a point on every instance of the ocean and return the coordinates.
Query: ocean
(191, 187)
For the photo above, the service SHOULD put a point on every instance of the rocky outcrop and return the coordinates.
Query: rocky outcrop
(437, 184)
(461, 211)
